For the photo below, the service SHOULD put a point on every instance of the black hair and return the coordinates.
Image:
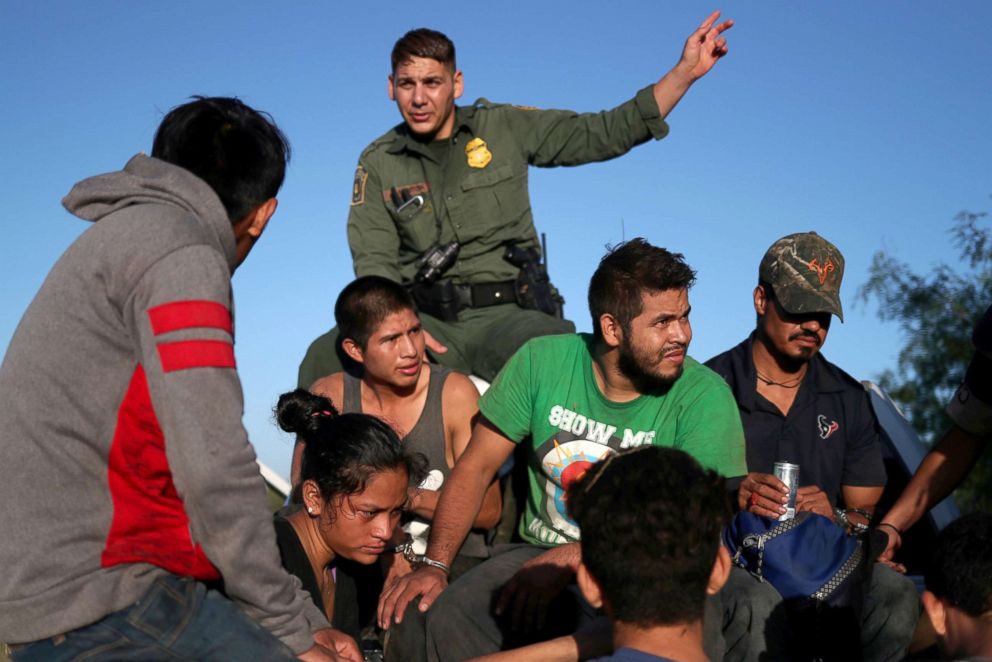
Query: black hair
(960, 569)
(650, 520)
(365, 302)
(426, 43)
(627, 270)
(237, 150)
(342, 452)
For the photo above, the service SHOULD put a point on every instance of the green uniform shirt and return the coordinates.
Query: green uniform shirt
(547, 394)
(478, 194)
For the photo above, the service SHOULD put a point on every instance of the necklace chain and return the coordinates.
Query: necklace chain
(791, 383)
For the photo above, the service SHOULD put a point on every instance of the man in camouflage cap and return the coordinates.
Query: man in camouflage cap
(798, 407)
(805, 270)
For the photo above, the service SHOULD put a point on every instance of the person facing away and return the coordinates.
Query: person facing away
(355, 476)
(440, 202)
(651, 519)
(119, 388)
(574, 400)
(797, 407)
(958, 595)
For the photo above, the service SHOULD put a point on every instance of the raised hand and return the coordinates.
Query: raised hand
(704, 47)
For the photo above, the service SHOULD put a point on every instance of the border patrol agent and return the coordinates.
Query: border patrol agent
(440, 202)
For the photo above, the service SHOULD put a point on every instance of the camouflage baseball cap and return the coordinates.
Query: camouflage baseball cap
(805, 271)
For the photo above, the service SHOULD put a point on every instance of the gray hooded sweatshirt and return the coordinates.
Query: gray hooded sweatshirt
(122, 453)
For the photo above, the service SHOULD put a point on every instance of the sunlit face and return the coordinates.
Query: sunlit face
(359, 526)
(795, 338)
(394, 353)
(654, 351)
(425, 91)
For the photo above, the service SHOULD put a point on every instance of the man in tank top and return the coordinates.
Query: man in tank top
(431, 407)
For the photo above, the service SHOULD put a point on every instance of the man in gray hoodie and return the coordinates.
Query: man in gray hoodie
(131, 494)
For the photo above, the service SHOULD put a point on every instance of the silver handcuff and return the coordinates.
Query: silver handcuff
(419, 560)
(855, 528)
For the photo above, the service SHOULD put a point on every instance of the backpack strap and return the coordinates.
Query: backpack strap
(845, 571)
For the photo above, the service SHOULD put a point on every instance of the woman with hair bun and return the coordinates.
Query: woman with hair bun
(354, 479)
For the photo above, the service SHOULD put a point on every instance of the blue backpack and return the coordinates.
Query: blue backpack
(819, 570)
(807, 557)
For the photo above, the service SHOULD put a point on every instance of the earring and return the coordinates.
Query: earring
(310, 509)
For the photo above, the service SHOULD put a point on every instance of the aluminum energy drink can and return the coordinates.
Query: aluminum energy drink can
(788, 474)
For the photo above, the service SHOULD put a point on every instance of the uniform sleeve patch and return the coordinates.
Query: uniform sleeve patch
(358, 188)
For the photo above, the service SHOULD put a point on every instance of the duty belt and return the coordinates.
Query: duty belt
(482, 295)
(445, 299)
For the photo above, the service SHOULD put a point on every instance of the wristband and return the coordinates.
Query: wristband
(891, 526)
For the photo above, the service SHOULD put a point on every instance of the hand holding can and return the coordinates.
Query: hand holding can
(789, 474)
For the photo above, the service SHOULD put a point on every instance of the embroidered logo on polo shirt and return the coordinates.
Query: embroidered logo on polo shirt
(826, 429)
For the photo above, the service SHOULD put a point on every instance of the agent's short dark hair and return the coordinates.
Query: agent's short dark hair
(237, 150)
(650, 521)
(342, 452)
(426, 43)
(960, 570)
(627, 270)
(365, 302)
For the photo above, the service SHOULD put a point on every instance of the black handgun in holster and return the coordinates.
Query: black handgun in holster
(442, 299)
(533, 287)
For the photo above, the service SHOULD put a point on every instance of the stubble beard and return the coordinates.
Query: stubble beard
(645, 381)
(806, 354)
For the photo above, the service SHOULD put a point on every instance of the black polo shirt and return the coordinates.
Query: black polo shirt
(830, 432)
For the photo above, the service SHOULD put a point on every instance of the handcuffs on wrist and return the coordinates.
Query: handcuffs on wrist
(419, 560)
(855, 528)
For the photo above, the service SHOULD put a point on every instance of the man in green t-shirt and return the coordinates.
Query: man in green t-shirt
(574, 400)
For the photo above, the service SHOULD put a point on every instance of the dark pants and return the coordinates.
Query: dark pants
(178, 618)
(407, 641)
(756, 625)
(462, 625)
(479, 343)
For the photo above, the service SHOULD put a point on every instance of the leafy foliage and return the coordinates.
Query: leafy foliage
(936, 312)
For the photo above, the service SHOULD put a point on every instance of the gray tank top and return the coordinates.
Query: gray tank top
(427, 438)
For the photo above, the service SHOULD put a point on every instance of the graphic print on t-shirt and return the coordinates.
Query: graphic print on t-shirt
(565, 457)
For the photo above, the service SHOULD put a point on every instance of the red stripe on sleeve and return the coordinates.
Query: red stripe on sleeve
(189, 314)
(188, 354)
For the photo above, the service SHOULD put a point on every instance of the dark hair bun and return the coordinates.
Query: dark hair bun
(301, 412)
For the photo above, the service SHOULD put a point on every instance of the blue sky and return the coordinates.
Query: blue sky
(866, 122)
